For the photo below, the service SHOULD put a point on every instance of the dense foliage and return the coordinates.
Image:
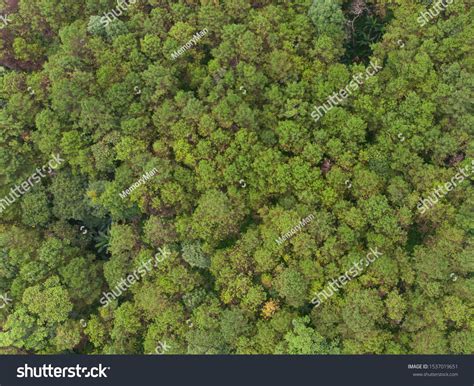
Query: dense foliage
(240, 162)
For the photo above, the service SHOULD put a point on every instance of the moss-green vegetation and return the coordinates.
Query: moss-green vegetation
(240, 163)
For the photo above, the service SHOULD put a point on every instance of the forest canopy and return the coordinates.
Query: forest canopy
(212, 176)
